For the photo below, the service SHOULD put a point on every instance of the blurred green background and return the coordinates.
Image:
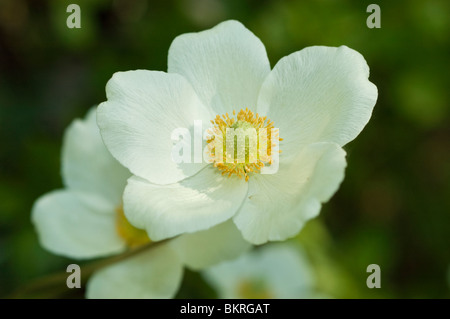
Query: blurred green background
(393, 208)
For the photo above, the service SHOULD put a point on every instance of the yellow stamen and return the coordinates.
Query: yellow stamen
(245, 119)
(133, 236)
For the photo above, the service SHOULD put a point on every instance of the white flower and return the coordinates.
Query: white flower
(86, 220)
(272, 271)
(319, 98)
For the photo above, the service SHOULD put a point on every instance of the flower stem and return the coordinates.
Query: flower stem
(55, 284)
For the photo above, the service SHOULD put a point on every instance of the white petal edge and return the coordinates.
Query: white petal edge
(87, 165)
(196, 203)
(277, 206)
(76, 225)
(226, 65)
(137, 121)
(318, 94)
(208, 247)
(153, 274)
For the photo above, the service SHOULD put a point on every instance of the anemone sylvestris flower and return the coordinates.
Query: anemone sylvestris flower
(274, 271)
(86, 220)
(319, 99)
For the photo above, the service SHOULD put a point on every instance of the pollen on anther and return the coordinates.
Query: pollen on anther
(244, 119)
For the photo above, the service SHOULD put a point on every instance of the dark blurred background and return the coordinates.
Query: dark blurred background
(393, 208)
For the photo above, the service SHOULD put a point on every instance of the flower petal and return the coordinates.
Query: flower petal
(318, 94)
(76, 225)
(137, 121)
(208, 247)
(156, 273)
(196, 203)
(87, 165)
(226, 65)
(278, 205)
(273, 271)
